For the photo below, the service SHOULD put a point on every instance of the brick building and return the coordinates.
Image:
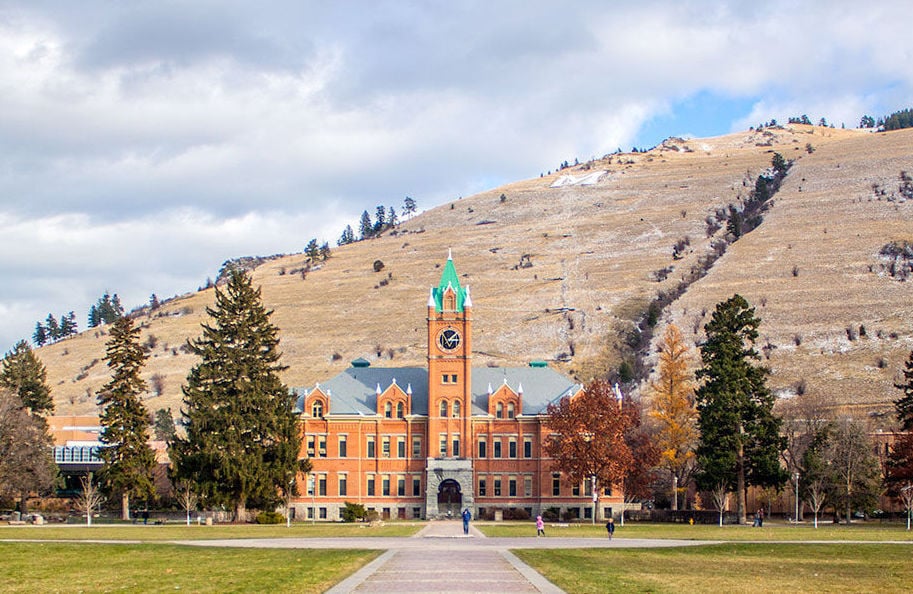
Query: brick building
(425, 442)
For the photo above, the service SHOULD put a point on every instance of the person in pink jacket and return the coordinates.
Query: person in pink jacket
(540, 526)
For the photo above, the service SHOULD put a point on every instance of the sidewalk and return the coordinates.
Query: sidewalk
(446, 569)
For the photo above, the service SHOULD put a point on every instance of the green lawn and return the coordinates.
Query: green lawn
(869, 531)
(182, 532)
(85, 567)
(733, 567)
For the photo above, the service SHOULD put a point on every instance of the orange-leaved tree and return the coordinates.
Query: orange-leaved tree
(673, 410)
(587, 440)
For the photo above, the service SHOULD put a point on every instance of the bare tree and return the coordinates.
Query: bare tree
(186, 497)
(816, 493)
(90, 499)
(720, 496)
(855, 469)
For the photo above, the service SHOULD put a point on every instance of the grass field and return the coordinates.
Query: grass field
(86, 567)
(771, 531)
(182, 532)
(733, 567)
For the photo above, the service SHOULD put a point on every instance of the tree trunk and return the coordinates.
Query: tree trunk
(23, 503)
(241, 510)
(125, 506)
(740, 484)
(674, 492)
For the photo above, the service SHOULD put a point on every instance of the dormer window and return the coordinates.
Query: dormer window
(443, 409)
(400, 409)
(456, 408)
(388, 410)
(449, 301)
(317, 409)
(510, 410)
(499, 410)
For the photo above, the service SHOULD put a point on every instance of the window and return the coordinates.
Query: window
(556, 485)
(456, 408)
(416, 447)
(443, 445)
(400, 409)
(453, 379)
(510, 410)
(322, 513)
(343, 485)
(445, 379)
(371, 485)
(575, 491)
(310, 513)
(416, 487)
(371, 451)
(456, 447)
(527, 486)
(497, 487)
(483, 447)
(512, 448)
(322, 446)
(482, 486)
(499, 410)
(311, 440)
(401, 486)
(587, 513)
(385, 486)
(343, 446)
(322, 485)
(388, 410)
(385, 447)
(497, 446)
(317, 409)
(527, 447)
(417, 513)
(443, 408)
(400, 447)
(512, 486)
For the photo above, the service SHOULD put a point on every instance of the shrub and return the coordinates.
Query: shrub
(267, 517)
(551, 514)
(378, 265)
(353, 512)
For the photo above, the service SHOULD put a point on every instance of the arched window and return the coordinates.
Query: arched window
(317, 409)
(499, 411)
(388, 410)
(456, 408)
(510, 410)
(399, 410)
(443, 408)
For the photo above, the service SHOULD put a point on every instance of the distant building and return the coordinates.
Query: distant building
(426, 442)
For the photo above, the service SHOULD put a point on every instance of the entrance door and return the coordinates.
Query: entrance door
(449, 499)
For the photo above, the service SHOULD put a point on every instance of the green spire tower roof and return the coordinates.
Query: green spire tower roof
(449, 278)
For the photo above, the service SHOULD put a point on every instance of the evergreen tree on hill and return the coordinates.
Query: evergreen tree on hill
(128, 459)
(242, 440)
(40, 336)
(904, 405)
(365, 227)
(23, 373)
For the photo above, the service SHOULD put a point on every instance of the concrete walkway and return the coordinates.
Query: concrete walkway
(442, 568)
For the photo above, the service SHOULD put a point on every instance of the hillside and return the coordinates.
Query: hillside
(564, 273)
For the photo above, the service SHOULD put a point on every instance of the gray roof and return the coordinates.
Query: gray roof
(354, 391)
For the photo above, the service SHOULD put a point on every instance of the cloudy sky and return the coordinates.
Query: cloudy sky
(144, 143)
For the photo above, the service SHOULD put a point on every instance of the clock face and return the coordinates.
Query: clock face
(448, 339)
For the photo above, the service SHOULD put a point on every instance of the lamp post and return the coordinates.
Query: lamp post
(797, 498)
(906, 490)
(588, 438)
(595, 497)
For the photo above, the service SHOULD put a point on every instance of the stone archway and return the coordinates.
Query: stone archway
(449, 498)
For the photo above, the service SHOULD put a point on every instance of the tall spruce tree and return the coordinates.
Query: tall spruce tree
(904, 405)
(25, 374)
(128, 460)
(740, 440)
(242, 440)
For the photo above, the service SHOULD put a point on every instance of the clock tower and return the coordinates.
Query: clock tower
(449, 367)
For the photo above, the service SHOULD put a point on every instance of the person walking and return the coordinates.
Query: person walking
(610, 527)
(467, 515)
(540, 527)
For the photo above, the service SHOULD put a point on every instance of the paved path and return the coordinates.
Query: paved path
(440, 558)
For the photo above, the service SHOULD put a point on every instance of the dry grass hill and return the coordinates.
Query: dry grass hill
(564, 273)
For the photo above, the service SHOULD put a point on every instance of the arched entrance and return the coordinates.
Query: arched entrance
(449, 499)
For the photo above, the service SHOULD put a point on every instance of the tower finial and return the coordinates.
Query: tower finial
(450, 253)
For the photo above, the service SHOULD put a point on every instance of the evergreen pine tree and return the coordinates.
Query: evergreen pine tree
(93, 319)
(365, 227)
(312, 251)
(392, 219)
(68, 325)
(53, 328)
(348, 236)
(23, 373)
(128, 459)
(409, 207)
(242, 439)
(163, 427)
(324, 251)
(740, 440)
(40, 336)
(904, 405)
(381, 220)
